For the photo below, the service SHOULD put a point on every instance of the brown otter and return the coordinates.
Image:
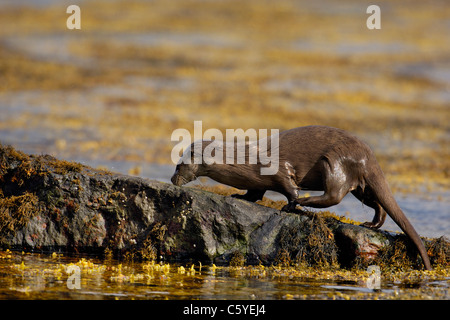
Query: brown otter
(313, 158)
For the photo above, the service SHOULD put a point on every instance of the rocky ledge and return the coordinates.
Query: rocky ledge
(52, 205)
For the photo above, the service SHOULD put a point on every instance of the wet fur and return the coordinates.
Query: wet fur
(315, 158)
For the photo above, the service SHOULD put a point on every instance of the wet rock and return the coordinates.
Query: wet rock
(360, 242)
(80, 209)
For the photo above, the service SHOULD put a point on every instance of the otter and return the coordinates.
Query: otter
(315, 158)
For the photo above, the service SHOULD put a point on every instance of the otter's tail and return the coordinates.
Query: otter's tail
(377, 182)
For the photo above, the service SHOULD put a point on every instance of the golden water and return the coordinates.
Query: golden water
(55, 276)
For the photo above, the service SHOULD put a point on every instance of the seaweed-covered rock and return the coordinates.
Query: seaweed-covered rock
(360, 242)
(51, 205)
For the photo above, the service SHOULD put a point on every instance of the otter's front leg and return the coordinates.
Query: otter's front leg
(289, 187)
(251, 195)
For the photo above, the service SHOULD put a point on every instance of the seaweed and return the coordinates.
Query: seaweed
(16, 211)
(309, 243)
(63, 167)
(21, 189)
(237, 259)
(439, 251)
(401, 255)
(22, 168)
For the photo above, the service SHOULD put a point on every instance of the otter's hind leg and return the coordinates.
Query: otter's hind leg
(335, 185)
(251, 195)
(380, 214)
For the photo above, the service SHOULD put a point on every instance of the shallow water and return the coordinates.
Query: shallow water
(54, 276)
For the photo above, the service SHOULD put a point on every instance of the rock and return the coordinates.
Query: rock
(52, 205)
(360, 242)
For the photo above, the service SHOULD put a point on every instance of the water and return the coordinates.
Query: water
(429, 216)
(55, 276)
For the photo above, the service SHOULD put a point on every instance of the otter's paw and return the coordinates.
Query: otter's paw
(289, 207)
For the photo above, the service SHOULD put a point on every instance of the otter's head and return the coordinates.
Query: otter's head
(186, 170)
(184, 173)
